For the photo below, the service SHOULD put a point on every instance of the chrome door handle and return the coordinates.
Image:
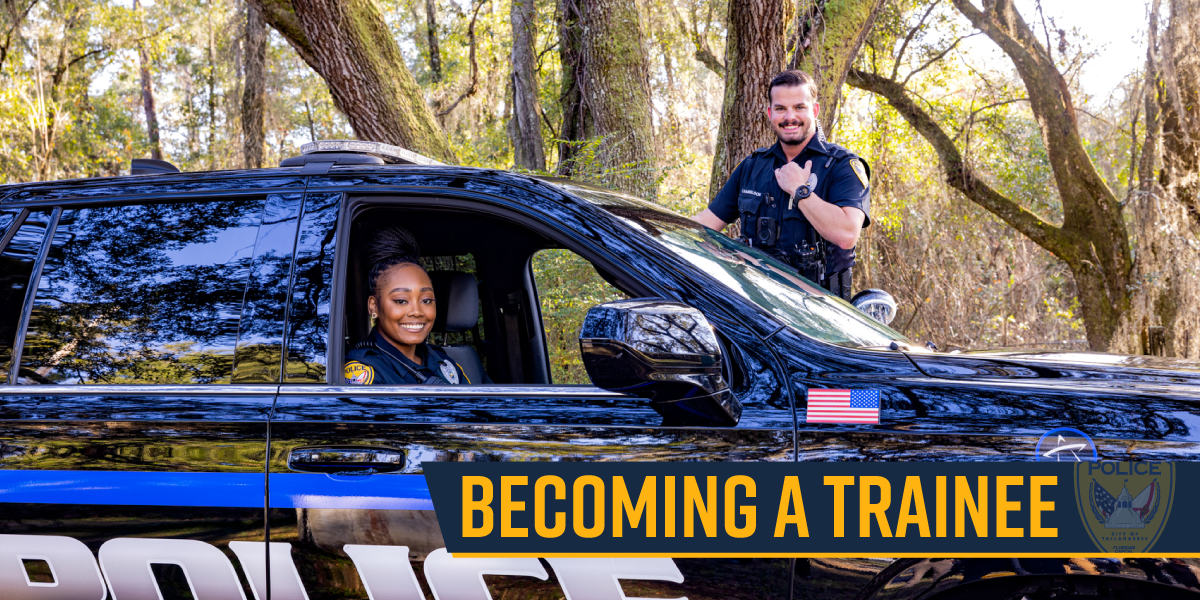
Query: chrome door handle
(358, 460)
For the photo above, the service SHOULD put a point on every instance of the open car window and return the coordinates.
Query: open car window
(567, 286)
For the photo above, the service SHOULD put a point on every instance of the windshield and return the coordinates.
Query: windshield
(761, 279)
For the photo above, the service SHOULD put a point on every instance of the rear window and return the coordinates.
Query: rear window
(142, 294)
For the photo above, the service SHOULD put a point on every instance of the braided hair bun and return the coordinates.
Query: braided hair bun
(392, 246)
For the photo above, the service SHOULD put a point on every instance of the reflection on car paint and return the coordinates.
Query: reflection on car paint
(385, 571)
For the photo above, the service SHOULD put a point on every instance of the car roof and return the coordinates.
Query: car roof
(274, 178)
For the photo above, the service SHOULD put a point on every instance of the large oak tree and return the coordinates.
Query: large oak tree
(606, 92)
(348, 43)
(1092, 239)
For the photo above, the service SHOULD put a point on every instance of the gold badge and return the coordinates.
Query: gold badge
(359, 374)
(861, 171)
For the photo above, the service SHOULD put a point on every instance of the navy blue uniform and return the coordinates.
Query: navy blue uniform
(752, 193)
(377, 361)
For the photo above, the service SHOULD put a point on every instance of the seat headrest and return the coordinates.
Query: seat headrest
(457, 295)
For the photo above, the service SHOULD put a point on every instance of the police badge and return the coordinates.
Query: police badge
(1131, 519)
(357, 373)
(449, 373)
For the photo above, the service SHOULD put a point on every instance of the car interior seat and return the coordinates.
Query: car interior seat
(457, 295)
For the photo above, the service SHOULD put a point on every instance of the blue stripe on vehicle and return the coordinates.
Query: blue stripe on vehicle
(376, 492)
(229, 490)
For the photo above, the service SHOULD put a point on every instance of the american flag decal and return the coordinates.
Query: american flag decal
(843, 406)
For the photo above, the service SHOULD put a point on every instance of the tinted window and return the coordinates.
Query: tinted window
(142, 294)
(567, 286)
(16, 264)
(308, 324)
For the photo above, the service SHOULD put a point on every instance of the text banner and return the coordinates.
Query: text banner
(815, 509)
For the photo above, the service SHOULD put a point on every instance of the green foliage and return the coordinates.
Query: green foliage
(567, 285)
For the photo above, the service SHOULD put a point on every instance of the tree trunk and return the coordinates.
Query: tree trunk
(525, 128)
(148, 96)
(1165, 281)
(612, 73)
(574, 111)
(254, 94)
(828, 38)
(1092, 240)
(1181, 109)
(211, 83)
(435, 53)
(350, 46)
(754, 55)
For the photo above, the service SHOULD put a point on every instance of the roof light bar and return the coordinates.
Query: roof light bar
(388, 152)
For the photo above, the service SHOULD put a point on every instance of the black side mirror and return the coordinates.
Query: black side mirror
(663, 351)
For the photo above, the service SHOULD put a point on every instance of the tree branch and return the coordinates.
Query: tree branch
(908, 38)
(470, 91)
(18, 18)
(936, 58)
(959, 175)
(281, 17)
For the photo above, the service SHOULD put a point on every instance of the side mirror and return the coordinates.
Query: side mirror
(663, 351)
(877, 304)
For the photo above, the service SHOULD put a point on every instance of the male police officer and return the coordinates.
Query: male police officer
(803, 200)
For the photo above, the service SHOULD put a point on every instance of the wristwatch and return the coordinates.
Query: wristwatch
(803, 191)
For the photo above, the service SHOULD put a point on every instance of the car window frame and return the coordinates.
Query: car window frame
(354, 204)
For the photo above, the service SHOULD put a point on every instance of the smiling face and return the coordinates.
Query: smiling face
(793, 114)
(405, 308)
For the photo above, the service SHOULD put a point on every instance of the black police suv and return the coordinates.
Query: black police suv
(174, 421)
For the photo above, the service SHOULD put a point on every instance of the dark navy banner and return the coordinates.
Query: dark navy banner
(816, 509)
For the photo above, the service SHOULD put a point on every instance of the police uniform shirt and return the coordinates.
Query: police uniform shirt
(377, 361)
(842, 179)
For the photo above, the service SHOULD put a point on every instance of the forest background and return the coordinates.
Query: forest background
(1009, 207)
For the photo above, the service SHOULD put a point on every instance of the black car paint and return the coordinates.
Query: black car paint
(935, 406)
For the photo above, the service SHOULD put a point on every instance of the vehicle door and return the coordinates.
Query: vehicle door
(142, 346)
(336, 534)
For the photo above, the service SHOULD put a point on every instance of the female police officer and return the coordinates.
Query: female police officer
(401, 302)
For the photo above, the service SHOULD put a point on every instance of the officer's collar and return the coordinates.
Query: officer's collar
(816, 143)
(388, 348)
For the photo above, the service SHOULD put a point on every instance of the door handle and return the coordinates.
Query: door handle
(354, 460)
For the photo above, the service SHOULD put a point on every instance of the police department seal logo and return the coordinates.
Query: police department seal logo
(357, 373)
(861, 171)
(1124, 505)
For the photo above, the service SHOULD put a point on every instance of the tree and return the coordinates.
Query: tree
(1165, 307)
(1092, 240)
(754, 54)
(525, 128)
(607, 95)
(148, 96)
(828, 36)
(254, 94)
(431, 37)
(350, 46)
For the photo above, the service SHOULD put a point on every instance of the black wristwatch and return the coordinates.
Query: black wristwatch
(805, 190)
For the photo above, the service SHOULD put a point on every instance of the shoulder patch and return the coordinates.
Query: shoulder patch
(357, 373)
(861, 171)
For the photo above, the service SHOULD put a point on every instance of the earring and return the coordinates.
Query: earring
(373, 315)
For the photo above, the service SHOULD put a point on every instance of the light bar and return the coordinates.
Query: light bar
(388, 152)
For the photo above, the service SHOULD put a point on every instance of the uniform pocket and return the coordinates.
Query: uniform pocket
(749, 203)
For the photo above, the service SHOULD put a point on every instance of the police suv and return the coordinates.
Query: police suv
(174, 421)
